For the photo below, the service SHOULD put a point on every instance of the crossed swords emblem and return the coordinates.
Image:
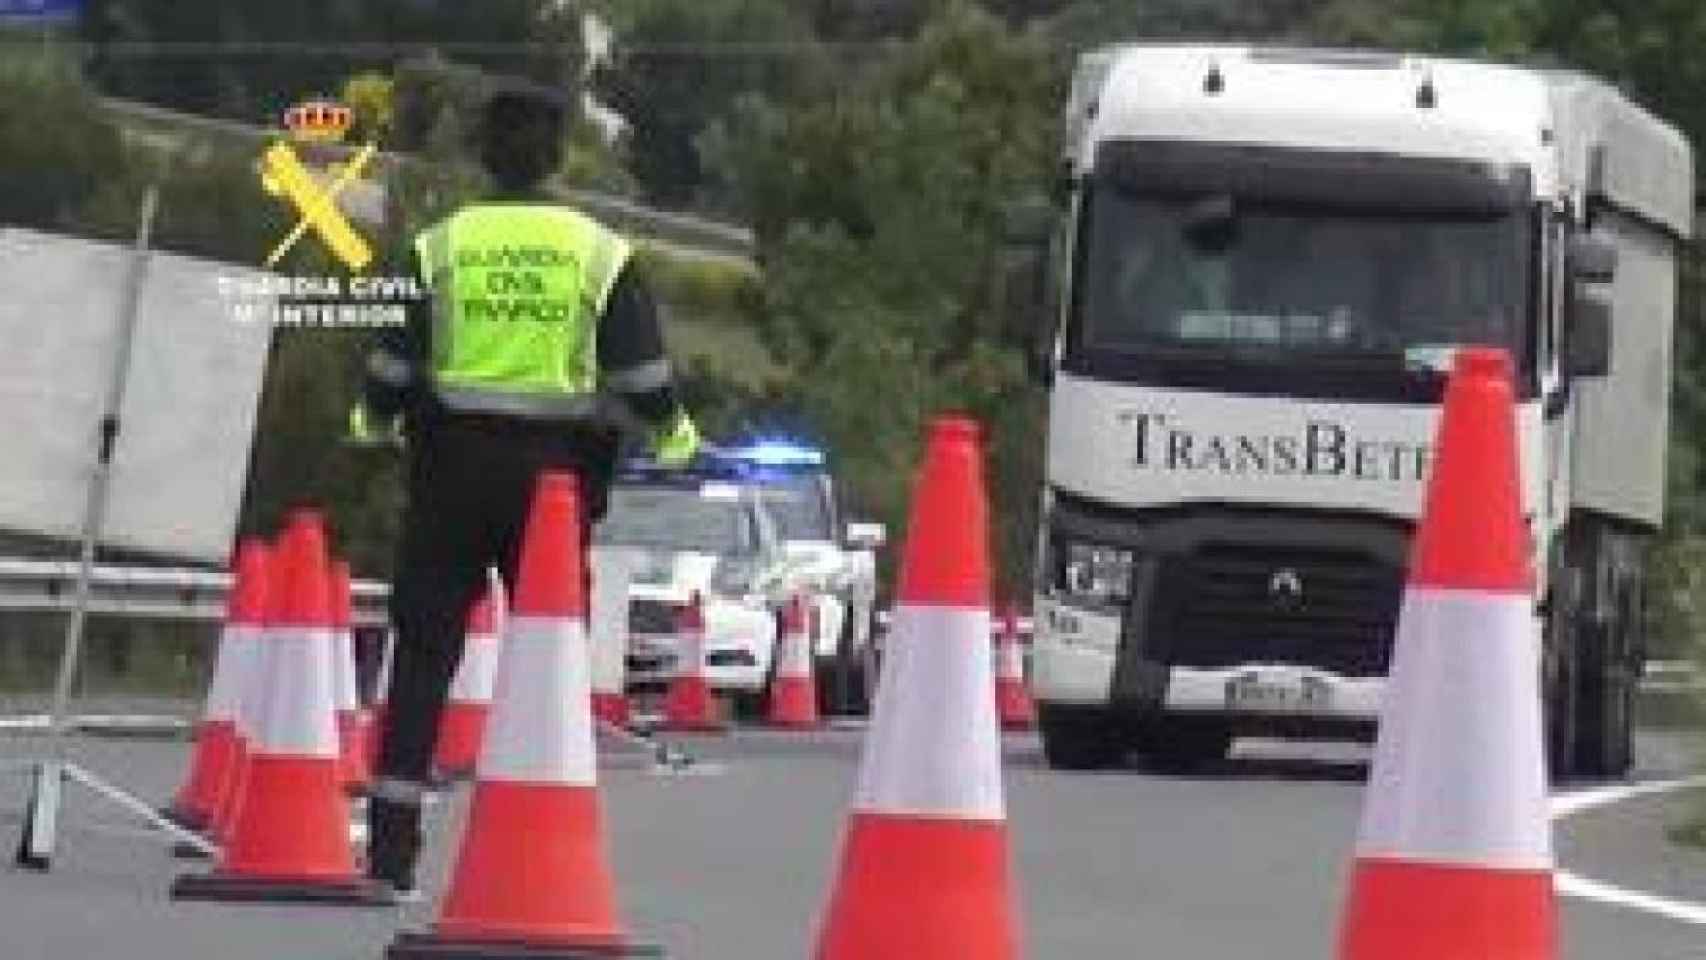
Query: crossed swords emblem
(284, 175)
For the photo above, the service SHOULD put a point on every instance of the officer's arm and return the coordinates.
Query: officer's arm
(631, 359)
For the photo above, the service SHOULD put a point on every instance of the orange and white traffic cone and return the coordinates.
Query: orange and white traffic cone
(1454, 858)
(291, 840)
(1012, 701)
(689, 706)
(609, 635)
(532, 878)
(463, 720)
(793, 694)
(217, 757)
(251, 694)
(351, 719)
(924, 863)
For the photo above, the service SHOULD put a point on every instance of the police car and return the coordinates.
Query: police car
(697, 531)
(836, 567)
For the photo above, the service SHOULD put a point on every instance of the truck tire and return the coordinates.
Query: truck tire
(1563, 644)
(1606, 702)
(1078, 737)
(1176, 745)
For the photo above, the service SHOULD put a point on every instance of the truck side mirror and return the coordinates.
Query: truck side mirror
(1588, 340)
(1026, 292)
(866, 536)
(1591, 259)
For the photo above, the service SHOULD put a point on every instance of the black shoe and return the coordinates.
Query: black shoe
(394, 845)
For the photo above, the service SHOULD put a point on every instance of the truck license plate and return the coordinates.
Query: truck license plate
(1275, 692)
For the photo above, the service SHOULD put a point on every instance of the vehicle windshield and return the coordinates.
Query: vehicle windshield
(676, 519)
(1285, 282)
(799, 507)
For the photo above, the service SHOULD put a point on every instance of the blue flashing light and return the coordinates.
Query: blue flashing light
(780, 453)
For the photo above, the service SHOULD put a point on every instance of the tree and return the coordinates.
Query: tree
(878, 210)
(678, 64)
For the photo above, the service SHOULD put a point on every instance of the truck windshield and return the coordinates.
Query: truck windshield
(1287, 282)
(676, 519)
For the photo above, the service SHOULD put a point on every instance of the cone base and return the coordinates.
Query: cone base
(612, 708)
(224, 888)
(921, 888)
(1403, 909)
(425, 946)
(793, 705)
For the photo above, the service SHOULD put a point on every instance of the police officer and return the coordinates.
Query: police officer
(537, 322)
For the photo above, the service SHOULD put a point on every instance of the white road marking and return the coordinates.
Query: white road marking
(1570, 804)
(1582, 888)
(1571, 885)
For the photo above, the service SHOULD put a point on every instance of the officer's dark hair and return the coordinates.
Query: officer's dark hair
(521, 133)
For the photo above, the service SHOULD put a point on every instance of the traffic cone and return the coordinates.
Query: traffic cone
(532, 878)
(251, 694)
(1012, 701)
(1454, 858)
(291, 839)
(924, 863)
(609, 635)
(351, 719)
(463, 719)
(793, 694)
(214, 764)
(689, 706)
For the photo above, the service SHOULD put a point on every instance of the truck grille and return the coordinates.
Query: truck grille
(651, 616)
(1224, 605)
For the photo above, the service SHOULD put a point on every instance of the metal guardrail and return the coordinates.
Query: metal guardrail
(150, 592)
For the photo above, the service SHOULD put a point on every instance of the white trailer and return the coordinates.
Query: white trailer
(1261, 261)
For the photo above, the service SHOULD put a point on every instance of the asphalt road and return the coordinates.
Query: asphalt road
(1245, 860)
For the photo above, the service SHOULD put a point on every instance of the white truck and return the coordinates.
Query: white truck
(1245, 295)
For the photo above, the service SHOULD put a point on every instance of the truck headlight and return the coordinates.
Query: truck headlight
(1095, 575)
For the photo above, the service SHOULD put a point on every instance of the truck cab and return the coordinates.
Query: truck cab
(1246, 295)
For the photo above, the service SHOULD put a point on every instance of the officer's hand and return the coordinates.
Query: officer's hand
(363, 433)
(676, 444)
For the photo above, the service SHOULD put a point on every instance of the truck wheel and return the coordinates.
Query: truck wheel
(841, 687)
(1560, 700)
(1078, 738)
(1604, 746)
(1177, 745)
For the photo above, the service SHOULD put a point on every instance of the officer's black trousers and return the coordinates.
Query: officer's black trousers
(470, 484)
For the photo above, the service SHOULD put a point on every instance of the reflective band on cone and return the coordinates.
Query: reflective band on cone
(532, 876)
(1012, 702)
(1454, 857)
(352, 759)
(291, 837)
(923, 871)
(216, 762)
(462, 724)
(793, 694)
(689, 705)
(611, 574)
